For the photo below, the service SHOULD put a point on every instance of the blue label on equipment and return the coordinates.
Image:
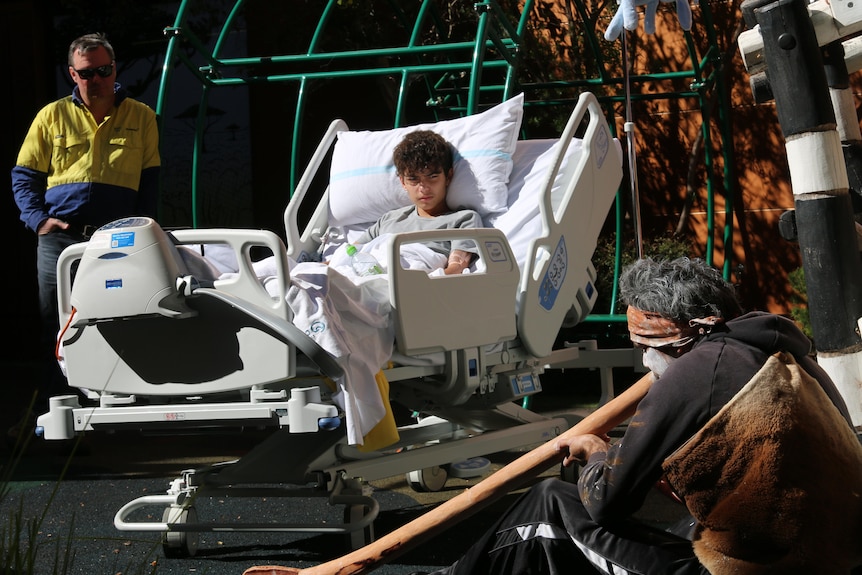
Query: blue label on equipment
(524, 383)
(553, 280)
(123, 240)
(113, 284)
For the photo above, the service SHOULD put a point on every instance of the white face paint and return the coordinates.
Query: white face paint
(656, 361)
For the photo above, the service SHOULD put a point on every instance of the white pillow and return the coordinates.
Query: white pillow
(363, 184)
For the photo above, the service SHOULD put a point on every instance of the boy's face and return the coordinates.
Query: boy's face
(427, 190)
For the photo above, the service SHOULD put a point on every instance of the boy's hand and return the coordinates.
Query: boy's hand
(459, 260)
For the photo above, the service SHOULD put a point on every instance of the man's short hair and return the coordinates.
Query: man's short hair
(681, 289)
(88, 43)
(421, 151)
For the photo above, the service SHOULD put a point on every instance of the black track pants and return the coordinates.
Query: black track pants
(549, 531)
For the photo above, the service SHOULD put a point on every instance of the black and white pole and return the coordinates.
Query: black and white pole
(844, 104)
(824, 214)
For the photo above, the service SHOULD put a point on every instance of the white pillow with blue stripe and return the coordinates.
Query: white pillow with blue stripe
(363, 184)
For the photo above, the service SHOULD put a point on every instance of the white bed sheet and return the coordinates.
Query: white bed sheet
(349, 316)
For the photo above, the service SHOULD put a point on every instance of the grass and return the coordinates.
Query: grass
(19, 534)
(24, 548)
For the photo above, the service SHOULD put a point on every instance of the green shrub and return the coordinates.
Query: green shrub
(19, 533)
(799, 302)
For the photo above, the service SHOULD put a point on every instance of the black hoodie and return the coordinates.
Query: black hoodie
(689, 393)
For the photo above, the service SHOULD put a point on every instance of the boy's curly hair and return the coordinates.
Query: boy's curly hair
(422, 151)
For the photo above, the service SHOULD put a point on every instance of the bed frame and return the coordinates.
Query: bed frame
(269, 373)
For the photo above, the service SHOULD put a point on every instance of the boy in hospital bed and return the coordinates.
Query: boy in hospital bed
(423, 162)
(349, 315)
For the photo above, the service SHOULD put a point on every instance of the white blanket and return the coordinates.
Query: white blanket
(349, 317)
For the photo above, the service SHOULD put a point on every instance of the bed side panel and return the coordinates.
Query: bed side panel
(559, 261)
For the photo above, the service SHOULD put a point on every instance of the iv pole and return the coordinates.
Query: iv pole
(629, 129)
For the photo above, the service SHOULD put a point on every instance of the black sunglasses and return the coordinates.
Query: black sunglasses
(103, 71)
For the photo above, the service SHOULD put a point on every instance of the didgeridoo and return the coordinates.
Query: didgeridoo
(465, 504)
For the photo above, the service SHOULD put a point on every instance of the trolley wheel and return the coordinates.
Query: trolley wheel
(429, 479)
(180, 544)
(361, 537)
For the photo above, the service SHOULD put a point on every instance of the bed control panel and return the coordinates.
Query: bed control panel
(513, 385)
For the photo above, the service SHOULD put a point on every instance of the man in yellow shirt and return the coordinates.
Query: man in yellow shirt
(88, 159)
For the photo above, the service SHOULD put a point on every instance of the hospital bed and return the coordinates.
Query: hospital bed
(156, 342)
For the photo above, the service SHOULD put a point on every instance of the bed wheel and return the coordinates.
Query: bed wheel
(179, 544)
(429, 479)
(361, 537)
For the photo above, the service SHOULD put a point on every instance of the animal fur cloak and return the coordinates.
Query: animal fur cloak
(774, 480)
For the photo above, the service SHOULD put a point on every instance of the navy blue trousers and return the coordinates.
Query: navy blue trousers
(48, 250)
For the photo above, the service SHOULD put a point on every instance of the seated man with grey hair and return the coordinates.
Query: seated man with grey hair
(749, 432)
